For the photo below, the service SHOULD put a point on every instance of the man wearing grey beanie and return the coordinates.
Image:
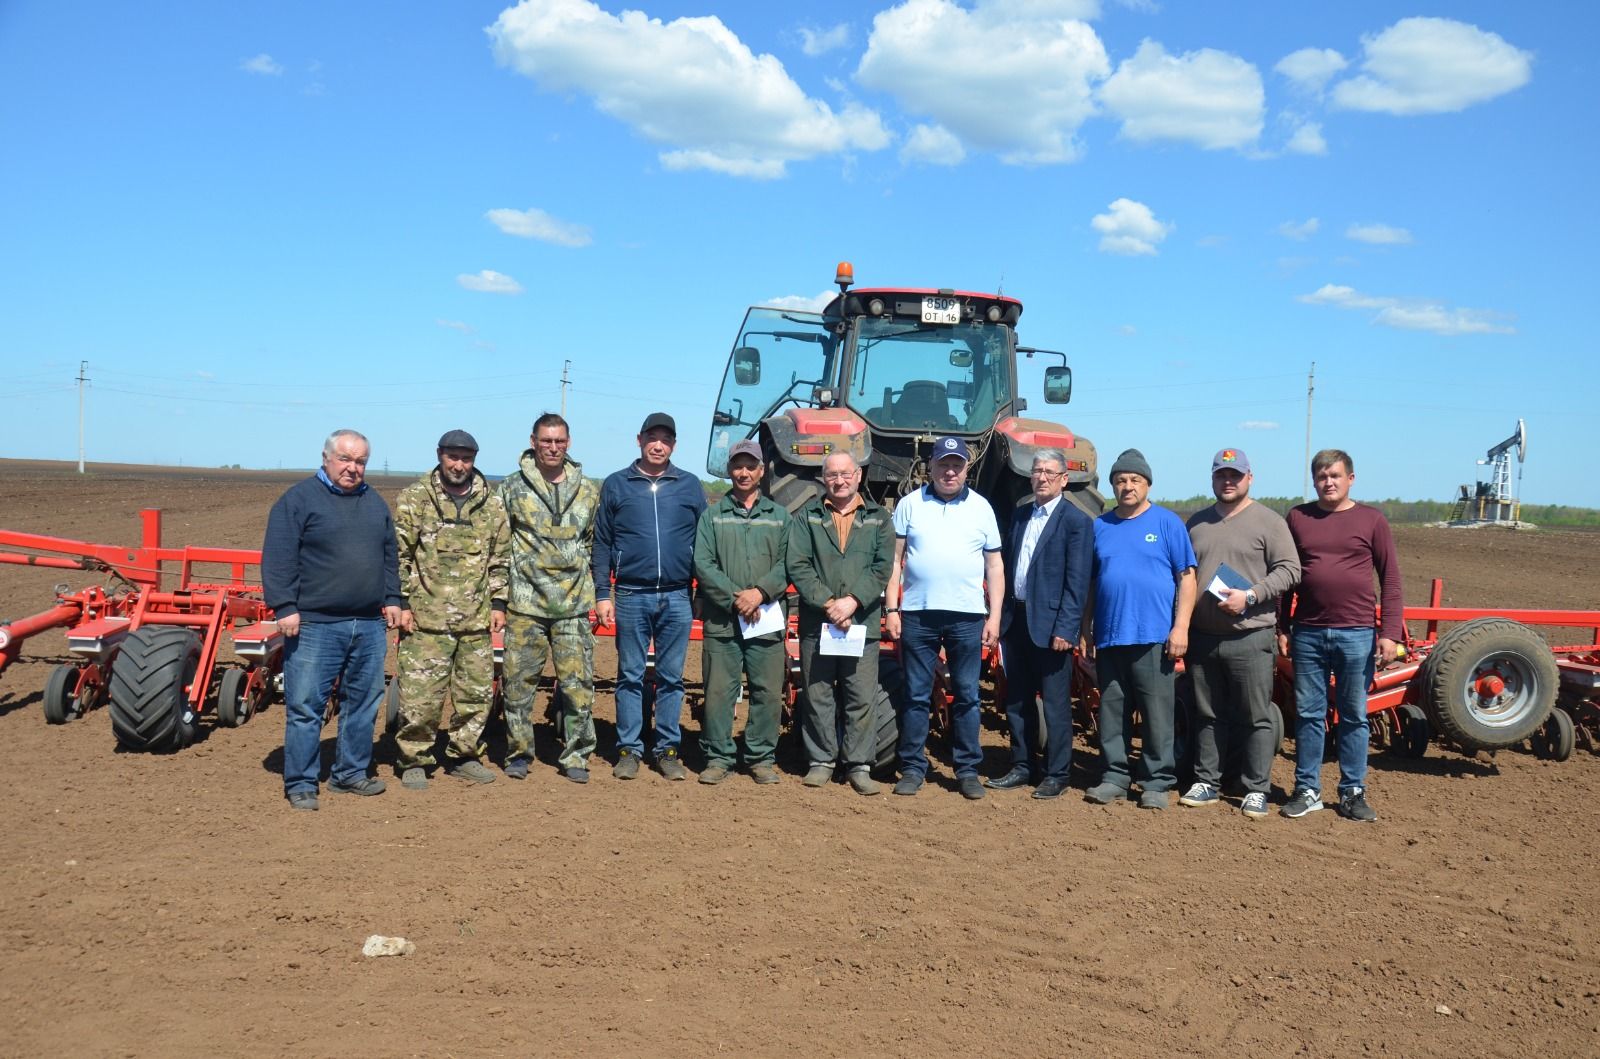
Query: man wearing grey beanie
(1143, 597)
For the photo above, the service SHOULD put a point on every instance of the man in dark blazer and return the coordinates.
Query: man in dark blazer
(1049, 554)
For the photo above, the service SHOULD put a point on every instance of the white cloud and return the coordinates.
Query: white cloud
(1206, 97)
(933, 144)
(1127, 330)
(1299, 231)
(816, 42)
(1130, 228)
(489, 281)
(689, 84)
(537, 224)
(456, 325)
(1009, 76)
(1410, 314)
(1259, 424)
(1433, 66)
(1311, 68)
(1378, 234)
(261, 64)
(801, 303)
(1307, 139)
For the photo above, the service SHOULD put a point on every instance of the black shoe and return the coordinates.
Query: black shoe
(909, 784)
(1353, 806)
(627, 766)
(578, 774)
(516, 768)
(366, 786)
(1050, 789)
(671, 766)
(1017, 777)
(1303, 802)
(971, 787)
(303, 801)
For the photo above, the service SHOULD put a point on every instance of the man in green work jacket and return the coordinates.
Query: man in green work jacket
(841, 549)
(739, 548)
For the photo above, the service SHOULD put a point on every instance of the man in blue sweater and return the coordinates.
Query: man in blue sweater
(644, 536)
(330, 571)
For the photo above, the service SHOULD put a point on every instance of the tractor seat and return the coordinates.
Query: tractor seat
(923, 403)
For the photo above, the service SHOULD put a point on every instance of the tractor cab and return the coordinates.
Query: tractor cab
(881, 373)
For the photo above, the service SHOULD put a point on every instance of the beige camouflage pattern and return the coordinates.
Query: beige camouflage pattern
(429, 664)
(569, 643)
(451, 567)
(552, 536)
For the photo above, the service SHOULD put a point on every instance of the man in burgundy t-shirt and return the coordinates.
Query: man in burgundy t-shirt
(1330, 625)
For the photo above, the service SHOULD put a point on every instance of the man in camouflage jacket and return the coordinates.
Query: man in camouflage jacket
(454, 544)
(552, 509)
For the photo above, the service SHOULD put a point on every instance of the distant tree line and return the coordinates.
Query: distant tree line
(1417, 511)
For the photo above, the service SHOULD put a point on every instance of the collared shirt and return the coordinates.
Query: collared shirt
(843, 517)
(1030, 541)
(946, 541)
(322, 476)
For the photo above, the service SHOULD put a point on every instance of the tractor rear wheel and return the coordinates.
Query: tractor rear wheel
(233, 705)
(1556, 738)
(886, 713)
(1087, 500)
(149, 689)
(60, 704)
(1491, 684)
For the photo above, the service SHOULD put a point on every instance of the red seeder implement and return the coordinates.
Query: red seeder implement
(151, 652)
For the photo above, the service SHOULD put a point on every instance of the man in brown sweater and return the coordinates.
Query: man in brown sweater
(1330, 626)
(1247, 561)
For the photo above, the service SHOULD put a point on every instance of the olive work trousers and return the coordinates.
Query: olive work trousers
(727, 662)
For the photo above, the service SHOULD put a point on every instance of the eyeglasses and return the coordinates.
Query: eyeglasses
(1046, 474)
(838, 476)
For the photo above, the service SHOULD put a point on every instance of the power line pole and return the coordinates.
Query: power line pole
(1311, 388)
(565, 382)
(83, 365)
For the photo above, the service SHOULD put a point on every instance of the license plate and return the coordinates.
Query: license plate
(936, 310)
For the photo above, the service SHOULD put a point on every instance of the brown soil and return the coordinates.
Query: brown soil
(173, 905)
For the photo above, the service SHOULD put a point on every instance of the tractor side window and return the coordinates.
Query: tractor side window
(780, 357)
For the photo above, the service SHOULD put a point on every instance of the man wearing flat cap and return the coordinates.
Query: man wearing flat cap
(944, 593)
(644, 541)
(739, 550)
(455, 543)
(1143, 597)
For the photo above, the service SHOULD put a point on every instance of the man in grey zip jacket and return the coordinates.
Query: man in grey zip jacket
(644, 538)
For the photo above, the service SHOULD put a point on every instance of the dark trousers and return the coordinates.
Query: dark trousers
(1232, 681)
(836, 684)
(1136, 677)
(1032, 671)
(922, 634)
(727, 661)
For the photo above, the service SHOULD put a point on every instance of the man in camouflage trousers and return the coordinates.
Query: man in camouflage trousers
(454, 544)
(552, 508)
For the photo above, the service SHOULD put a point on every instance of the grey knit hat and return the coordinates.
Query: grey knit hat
(1131, 461)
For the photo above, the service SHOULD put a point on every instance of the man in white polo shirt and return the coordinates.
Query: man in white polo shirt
(947, 545)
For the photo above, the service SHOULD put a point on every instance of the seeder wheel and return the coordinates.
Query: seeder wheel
(60, 704)
(1555, 740)
(1414, 732)
(1491, 684)
(149, 683)
(234, 705)
(391, 706)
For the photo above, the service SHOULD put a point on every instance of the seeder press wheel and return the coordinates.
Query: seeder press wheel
(60, 704)
(235, 703)
(149, 689)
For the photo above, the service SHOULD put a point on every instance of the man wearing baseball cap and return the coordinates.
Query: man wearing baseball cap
(945, 591)
(644, 538)
(1143, 595)
(739, 550)
(1247, 560)
(454, 542)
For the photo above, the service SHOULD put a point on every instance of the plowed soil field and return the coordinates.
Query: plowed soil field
(173, 905)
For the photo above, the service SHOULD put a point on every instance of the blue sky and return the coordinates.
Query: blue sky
(260, 221)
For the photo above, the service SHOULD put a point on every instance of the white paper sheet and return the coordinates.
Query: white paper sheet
(848, 643)
(769, 620)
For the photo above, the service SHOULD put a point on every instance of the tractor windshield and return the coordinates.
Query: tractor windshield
(780, 359)
(911, 376)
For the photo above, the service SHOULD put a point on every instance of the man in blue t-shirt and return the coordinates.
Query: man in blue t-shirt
(944, 593)
(1144, 594)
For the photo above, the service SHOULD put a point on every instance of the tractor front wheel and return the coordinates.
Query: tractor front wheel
(150, 689)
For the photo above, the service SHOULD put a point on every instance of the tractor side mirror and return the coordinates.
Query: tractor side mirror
(746, 366)
(1057, 385)
(961, 358)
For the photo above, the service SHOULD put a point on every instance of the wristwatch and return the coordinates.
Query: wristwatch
(1250, 597)
(891, 610)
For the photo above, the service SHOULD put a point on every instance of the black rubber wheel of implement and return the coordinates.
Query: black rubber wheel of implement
(60, 705)
(233, 706)
(150, 708)
(1466, 711)
(1555, 740)
(1411, 740)
(391, 706)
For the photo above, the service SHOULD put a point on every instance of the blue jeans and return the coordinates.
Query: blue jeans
(352, 652)
(922, 633)
(643, 616)
(1346, 655)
